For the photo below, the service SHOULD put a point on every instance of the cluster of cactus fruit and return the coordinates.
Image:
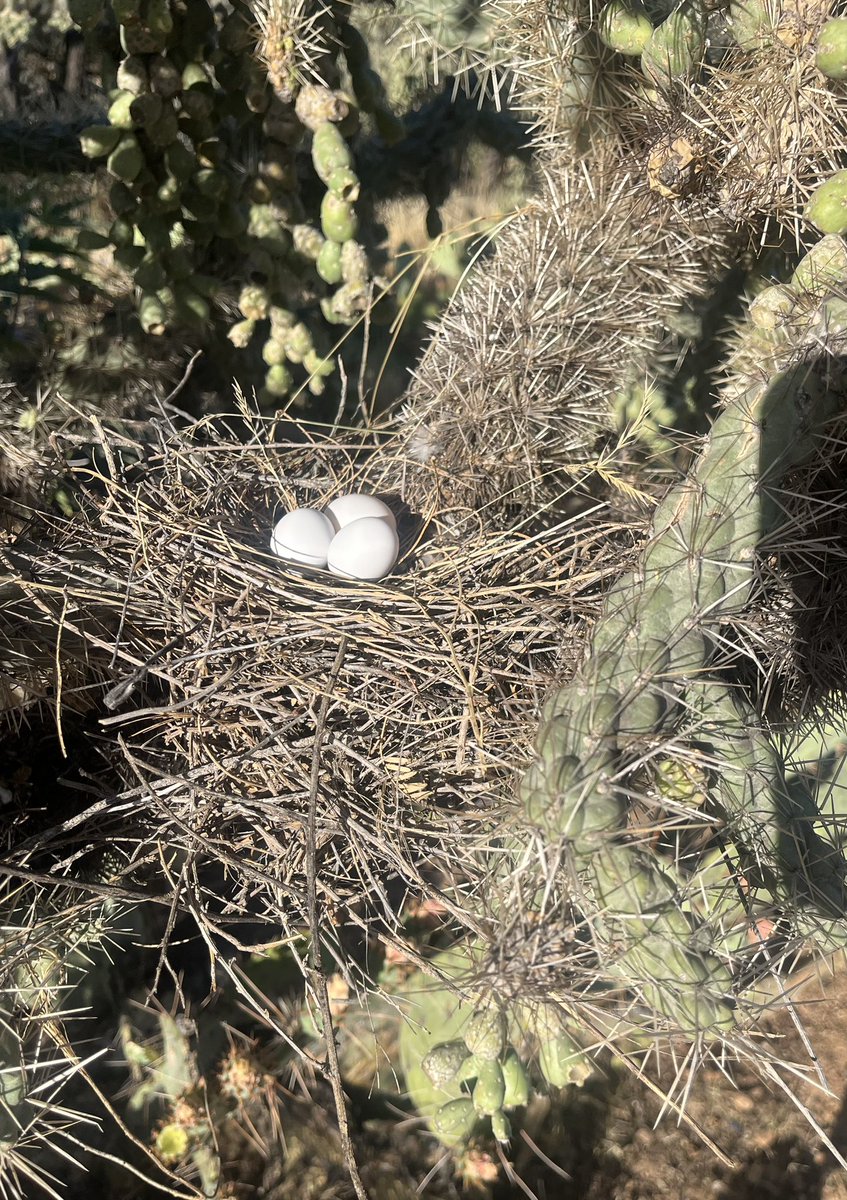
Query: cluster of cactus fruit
(202, 137)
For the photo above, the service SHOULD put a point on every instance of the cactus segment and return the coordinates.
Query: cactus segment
(827, 207)
(485, 1034)
(822, 269)
(675, 49)
(330, 151)
(127, 159)
(490, 1088)
(454, 1121)
(338, 220)
(516, 1082)
(831, 53)
(99, 140)
(624, 26)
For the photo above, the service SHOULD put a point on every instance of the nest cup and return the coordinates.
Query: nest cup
(248, 698)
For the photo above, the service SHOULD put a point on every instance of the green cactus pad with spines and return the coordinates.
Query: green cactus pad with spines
(827, 206)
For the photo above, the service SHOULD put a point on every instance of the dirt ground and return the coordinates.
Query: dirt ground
(767, 1145)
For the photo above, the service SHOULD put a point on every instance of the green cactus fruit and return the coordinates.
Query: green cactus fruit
(827, 207)
(282, 319)
(138, 39)
(273, 352)
(158, 18)
(127, 159)
(168, 194)
(180, 161)
(152, 314)
(86, 13)
(97, 141)
(316, 366)
(675, 49)
(516, 1081)
(831, 54)
(485, 1034)
(119, 113)
(165, 77)
(146, 109)
(269, 232)
(212, 182)
(329, 262)
(354, 263)
(490, 1088)
(254, 302)
(624, 26)
(198, 104)
(279, 380)
(132, 75)
(298, 342)
(164, 130)
(190, 306)
(241, 334)
(454, 1121)
(443, 1062)
(338, 219)
(823, 268)
(752, 22)
(150, 275)
(330, 151)
(501, 1126)
(469, 1069)
(344, 183)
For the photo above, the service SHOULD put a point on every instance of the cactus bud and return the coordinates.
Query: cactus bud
(241, 334)
(316, 104)
(354, 263)
(97, 141)
(827, 207)
(443, 1062)
(127, 159)
(485, 1034)
(146, 109)
(165, 77)
(501, 1126)
(279, 380)
(119, 113)
(273, 352)
(152, 314)
(132, 75)
(254, 302)
(298, 342)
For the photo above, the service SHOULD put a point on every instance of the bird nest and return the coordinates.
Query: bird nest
(296, 747)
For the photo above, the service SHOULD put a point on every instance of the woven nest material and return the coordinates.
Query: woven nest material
(255, 701)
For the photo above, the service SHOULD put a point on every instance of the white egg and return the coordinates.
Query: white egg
(356, 505)
(364, 549)
(303, 536)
